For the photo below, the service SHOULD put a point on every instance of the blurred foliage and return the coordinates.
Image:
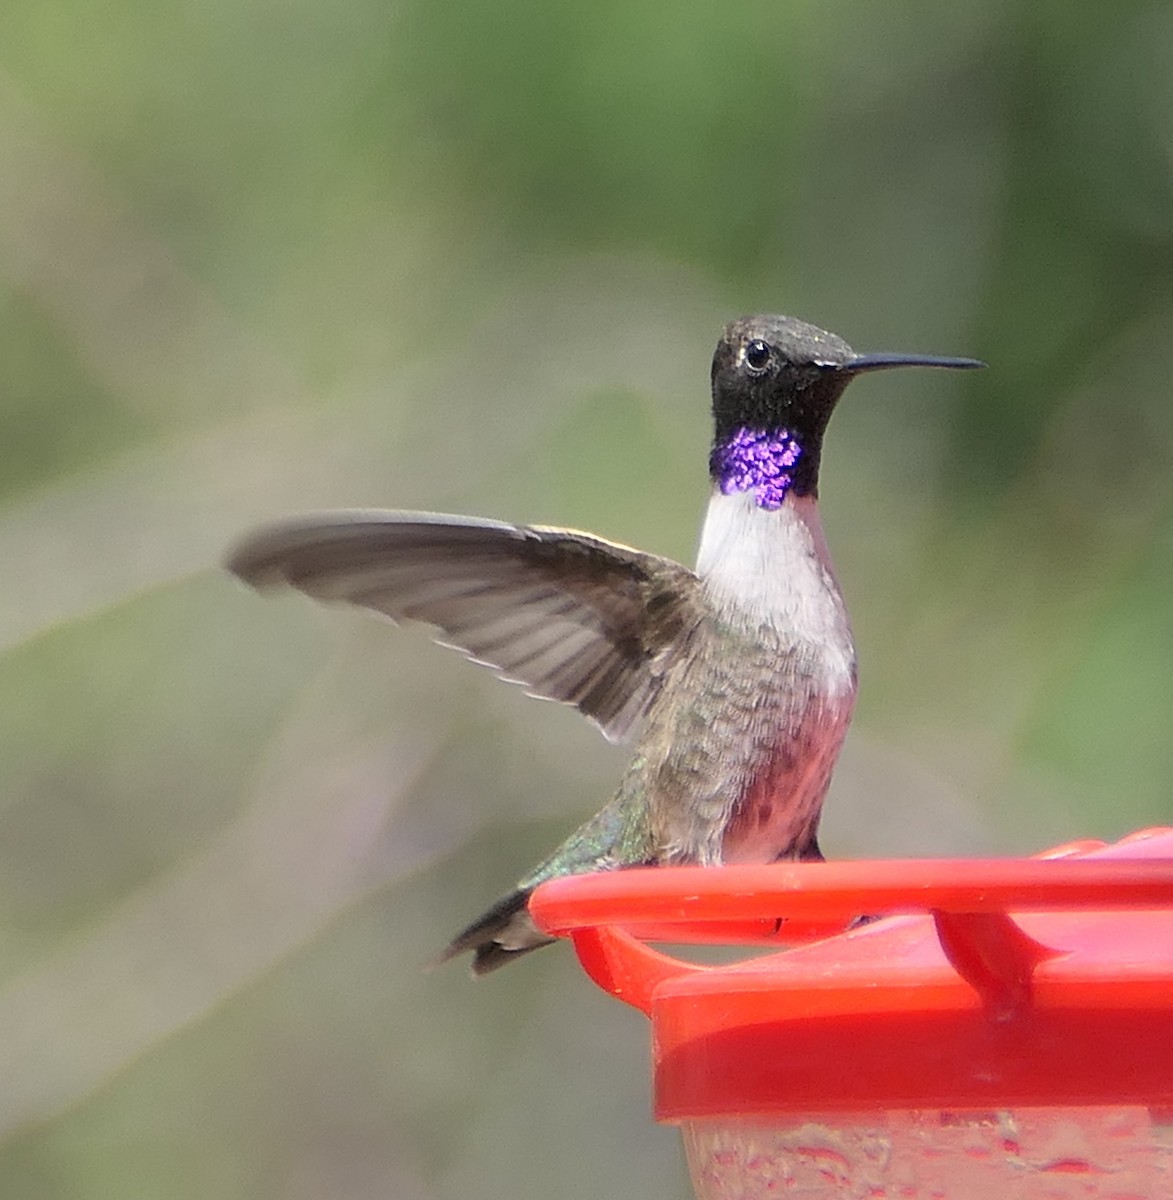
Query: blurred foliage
(261, 257)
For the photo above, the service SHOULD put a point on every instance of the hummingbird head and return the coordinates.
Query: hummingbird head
(776, 381)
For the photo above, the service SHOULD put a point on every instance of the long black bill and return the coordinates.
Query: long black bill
(882, 362)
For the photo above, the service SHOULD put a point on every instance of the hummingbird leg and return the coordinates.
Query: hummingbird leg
(811, 851)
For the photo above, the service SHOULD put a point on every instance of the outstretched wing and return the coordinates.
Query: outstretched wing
(573, 618)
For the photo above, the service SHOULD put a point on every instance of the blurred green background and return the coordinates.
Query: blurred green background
(259, 257)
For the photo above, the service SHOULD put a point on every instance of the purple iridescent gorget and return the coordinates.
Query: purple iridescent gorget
(757, 460)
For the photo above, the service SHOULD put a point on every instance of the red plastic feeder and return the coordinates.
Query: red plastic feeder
(1004, 1033)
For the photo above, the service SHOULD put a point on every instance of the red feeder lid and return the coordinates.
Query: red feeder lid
(990, 983)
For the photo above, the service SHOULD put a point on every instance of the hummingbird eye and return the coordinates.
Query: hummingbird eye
(757, 355)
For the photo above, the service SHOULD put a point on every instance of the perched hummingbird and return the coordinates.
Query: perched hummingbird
(741, 674)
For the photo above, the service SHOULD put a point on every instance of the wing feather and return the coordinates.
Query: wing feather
(571, 617)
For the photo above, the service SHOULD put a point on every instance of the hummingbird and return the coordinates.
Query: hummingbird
(739, 675)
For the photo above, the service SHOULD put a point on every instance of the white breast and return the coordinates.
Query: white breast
(773, 568)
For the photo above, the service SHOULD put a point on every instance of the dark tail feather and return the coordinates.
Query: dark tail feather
(489, 958)
(498, 936)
